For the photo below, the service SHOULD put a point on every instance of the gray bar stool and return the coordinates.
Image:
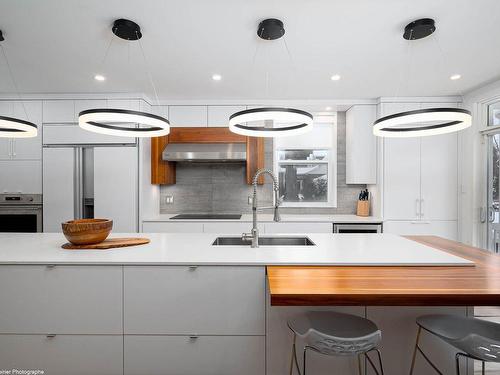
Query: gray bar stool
(333, 333)
(474, 338)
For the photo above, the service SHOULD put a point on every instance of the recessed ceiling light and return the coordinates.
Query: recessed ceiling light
(335, 77)
(216, 77)
(454, 77)
(99, 77)
(328, 108)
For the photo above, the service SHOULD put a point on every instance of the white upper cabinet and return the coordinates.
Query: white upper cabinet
(82, 105)
(188, 116)
(22, 148)
(58, 111)
(361, 145)
(218, 115)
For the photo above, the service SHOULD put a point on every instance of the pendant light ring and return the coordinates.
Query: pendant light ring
(16, 128)
(404, 124)
(106, 120)
(302, 122)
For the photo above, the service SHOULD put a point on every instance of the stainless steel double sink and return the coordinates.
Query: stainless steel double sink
(264, 241)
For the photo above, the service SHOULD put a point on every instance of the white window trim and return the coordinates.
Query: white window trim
(332, 172)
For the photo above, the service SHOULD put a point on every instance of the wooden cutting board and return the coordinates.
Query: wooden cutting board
(109, 243)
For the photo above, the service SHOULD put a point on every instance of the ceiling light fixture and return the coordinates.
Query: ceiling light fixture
(216, 77)
(99, 77)
(121, 122)
(335, 77)
(271, 121)
(11, 127)
(422, 122)
(328, 108)
(454, 77)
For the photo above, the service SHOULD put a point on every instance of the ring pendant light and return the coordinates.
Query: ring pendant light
(285, 122)
(122, 122)
(11, 127)
(423, 122)
(271, 121)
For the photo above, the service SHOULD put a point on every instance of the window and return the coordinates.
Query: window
(494, 114)
(303, 175)
(306, 167)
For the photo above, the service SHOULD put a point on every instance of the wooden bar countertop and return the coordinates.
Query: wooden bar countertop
(392, 286)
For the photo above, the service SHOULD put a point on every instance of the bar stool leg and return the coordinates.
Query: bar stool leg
(304, 363)
(360, 372)
(292, 357)
(415, 350)
(457, 361)
(482, 368)
(380, 361)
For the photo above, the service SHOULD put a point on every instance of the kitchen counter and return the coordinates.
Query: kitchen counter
(196, 249)
(393, 286)
(284, 218)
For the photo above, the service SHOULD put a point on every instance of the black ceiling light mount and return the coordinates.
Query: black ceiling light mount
(122, 122)
(422, 122)
(1, 36)
(419, 29)
(271, 29)
(126, 29)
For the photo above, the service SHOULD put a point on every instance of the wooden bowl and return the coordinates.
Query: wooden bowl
(87, 231)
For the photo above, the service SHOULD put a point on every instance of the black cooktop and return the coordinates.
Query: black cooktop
(206, 217)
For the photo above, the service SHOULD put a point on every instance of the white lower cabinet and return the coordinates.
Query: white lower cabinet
(202, 355)
(63, 354)
(61, 299)
(191, 300)
(446, 229)
(291, 227)
(230, 228)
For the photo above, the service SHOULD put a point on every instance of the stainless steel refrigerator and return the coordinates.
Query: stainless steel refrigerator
(87, 181)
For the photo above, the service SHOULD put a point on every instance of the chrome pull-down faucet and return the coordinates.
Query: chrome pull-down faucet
(254, 234)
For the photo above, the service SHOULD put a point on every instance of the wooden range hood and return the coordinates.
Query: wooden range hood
(163, 172)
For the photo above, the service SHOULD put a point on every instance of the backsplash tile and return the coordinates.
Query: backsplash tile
(204, 188)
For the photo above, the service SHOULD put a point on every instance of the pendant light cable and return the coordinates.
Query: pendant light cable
(148, 72)
(14, 83)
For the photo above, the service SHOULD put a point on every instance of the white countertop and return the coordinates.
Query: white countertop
(196, 249)
(284, 218)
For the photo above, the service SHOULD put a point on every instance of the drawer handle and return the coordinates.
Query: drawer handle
(51, 266)
(193, 268)
(192, 338)
(50, 336)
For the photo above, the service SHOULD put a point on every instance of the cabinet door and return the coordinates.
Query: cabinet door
(188, 116)
(401, 172)
(116, 187)
(204, 355)
(61, 299)
(439, 175)
(6, 109)
(82, 105)
(23, 176)
(218, 115)
(58, 111)
(205, 300)
(28, 148)
(63, 355)
(361, 145)
(58, 187)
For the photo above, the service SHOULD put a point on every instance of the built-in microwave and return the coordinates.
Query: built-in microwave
(358, 227)
(21, 213)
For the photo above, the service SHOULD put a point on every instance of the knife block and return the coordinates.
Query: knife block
(363, 208)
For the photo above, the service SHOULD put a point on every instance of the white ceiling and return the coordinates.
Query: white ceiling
(56, 46)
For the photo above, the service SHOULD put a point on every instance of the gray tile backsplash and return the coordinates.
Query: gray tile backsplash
(204, 188)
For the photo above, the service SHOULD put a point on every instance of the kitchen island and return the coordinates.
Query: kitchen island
(180, 305)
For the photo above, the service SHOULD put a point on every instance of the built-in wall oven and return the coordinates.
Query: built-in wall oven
(21, 213)
(357, 227)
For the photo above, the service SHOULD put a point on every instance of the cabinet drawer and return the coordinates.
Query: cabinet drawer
(230, 228)
(63, 355)
(205, 300)
(24, 176)
(61, 299)
(299, 227)
(446, 229)
(205, 355)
